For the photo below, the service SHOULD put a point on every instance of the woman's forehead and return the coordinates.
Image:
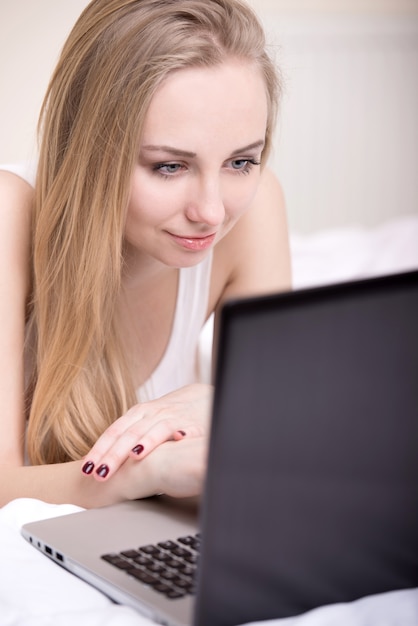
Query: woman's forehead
(226, 101)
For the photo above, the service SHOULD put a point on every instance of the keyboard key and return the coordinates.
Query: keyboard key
(187, 541)
(182, 583)
(162, 556)
(192, 559)
(142, 560)
(174, 563)
(110, 558)
(162, 587)
(177, 551)
(117, 562)
(168, 575)
(149, 549)
(144, 577)
(130, 554)
(156, 568)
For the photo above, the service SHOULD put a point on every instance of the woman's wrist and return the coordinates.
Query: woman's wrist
(133, 480)
(140, 479)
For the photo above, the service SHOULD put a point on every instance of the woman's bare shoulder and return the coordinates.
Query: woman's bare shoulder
(16, 201)
(15, 188)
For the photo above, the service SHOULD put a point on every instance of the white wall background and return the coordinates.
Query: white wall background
(347, 143)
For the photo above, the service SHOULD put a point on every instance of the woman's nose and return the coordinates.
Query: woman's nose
(206, 205)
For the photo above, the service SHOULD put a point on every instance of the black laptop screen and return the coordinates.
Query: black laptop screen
(311, 496)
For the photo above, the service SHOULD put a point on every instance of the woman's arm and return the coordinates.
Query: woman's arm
(15, 215)
(15, 228)
(177, 470)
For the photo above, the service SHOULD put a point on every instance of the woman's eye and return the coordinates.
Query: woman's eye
(167, 169)
(239, 164)
(244, 165)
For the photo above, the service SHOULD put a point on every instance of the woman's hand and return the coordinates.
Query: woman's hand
(182, 414)
(175, 468)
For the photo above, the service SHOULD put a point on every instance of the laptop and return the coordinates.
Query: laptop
(311, 492)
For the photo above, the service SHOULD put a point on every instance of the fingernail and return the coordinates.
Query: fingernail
(138, 449)
(102, 471)
(182, 433)
(88, 467)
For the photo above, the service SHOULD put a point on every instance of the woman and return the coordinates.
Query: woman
(152, 206)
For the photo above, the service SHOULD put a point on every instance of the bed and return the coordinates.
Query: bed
(36, 592)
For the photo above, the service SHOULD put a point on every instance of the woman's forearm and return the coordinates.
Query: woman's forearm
(64, 483)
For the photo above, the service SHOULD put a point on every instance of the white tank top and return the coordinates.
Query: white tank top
(183, 362)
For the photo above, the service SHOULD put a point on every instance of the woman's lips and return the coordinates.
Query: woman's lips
(194, 243)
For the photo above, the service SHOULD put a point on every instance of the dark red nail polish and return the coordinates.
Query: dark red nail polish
(182, 433)
(88, 467)
(102, 471)
(138, 449)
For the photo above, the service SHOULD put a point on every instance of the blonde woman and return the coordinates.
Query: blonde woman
(152, 206)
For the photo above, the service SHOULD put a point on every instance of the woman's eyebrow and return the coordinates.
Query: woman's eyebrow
(170, 150)
(191, 155)
(252, 146)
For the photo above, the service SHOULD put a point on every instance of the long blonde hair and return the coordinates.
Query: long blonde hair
(116, 56)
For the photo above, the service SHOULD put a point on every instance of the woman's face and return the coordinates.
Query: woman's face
(198, 163)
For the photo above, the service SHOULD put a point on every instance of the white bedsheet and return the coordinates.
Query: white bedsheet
(355, 252)
(34, 591)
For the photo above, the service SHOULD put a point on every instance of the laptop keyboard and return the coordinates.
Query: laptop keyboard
(169, 567)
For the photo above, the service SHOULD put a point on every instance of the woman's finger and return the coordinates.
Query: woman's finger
(132, 442)
(166, 430)
(108, 439)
